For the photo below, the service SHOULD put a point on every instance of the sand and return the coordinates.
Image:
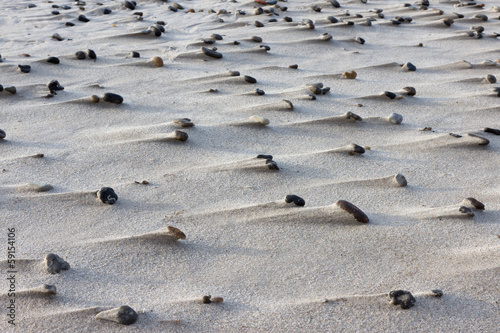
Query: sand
(278, 267)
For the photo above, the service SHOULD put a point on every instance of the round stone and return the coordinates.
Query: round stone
(112, 98)
(409, 66)
(403, 298)
(395, 118)
(53, 60)
(107, 195)
(211, 53)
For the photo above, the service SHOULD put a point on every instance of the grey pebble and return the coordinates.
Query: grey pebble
(266, 157)
(106, 11)
(211, 53)
(273, 20)
(216, 36)
(294, 66)
(257, 39)
(183, 122)
(295, 199)
(410, 91)
(359, 40)
(124, 315)
(53, 60)
(112, 98)
(160, 22)
(80, 55)
(155, 30)
(410, 67)
(403, 298)
(107, 195)
(272, 165)
(172, 8)
(24, 68)
(55, 264)
(31, 5)
(491, 78)
(57, 37)
(265, 47)
(332, 19)
(395, 118)
(334, 3)
(11, 89)
(259, 92)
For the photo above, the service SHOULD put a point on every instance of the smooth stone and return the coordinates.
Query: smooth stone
(390, 94)
(57, 37)
(180, 135)
(492, 130)
(294, 66)
(24, 68)
(266, 157)
(124, 315)
(437, 292)
(265, 47)
(316, 8)
(272, 165)
(403, 298)
(332, 19)
(295, 199)
(358, 214)
(401, 180)
(31, 5)
(410, 91)
(157, 61)
(172, 230)
(135, 54)
(258, 24)
(83, 18)
(11, 89)
(178, 6)
(260, 120)
(112, 98)
(55, 12)
(2, 134)
(216, 36)
(94, 99)
(106, 11)
(287, 19)
(55, 264)
(359, 40)
(249, 79)
(53, 60)
(351, 115)
(69, 24)
(273, 20)
(334, 3)
(206, 299)
(80, 55)
(325, 36)
(477, 28)
(211, 53)
(128, 5)
(54, 86)
(183, 122)
(236, 42)
(409, 66)
(208, 40)
(233, 73)
(481, 17)
(257, 39)
(1, 88)
(259, 92)
(350, 75)
(160, 22)
(48, 289)
(475, 203)
(395, 118)
(172, 8)
(91, 54)
(496, 91)
(155, 30)
(491, 78)
(107, 195)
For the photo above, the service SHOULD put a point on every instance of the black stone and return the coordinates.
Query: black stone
(257, 39)
(487, 130)
(267, 157)
(409, 66)
(106, 11)
(455, 135)
(216, 36)
(128, 5)
(272, 165)
(359, 40)
(390, 94)
(53, 60)
(403, 298)
(55, 264)
(160, 22)
(159, 27)
(259, 92)
(287, 19)
(12, 90)
(80, 55)
(2, 134)
(211, 53)
(137, 13)
(55, 12)
(332, 19)
(54, 86)
(135, 54)
(83, 18)
(295, 199)
(172, 8)
(265, 47)
(24, 68)
(206, 299)
(155, 30)
(124, 315)
(107, 195)
(91, 54)
(437, 292)
(65, 7)
(249, 79)
(335, 3)
(112, 98)
(69, 24)
(1, 88)
(31, 5)
(55, 6)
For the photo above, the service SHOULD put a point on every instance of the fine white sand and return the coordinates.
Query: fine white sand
(278, 267)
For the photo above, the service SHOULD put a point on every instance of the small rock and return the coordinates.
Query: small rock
(135, 54)
(395, 118)
(272, 165)
(266, 157)
(287, 19)
(295, 199)
(206, 299)
(128, 5)
(359, 40)
(350, 75)
(83, 18)
(216, 36)
(183, 122)
(55, 264)
(410, 67)
(55, 12)
(487, 130)
(437, 292)
(57, 37)
(11, 89)
(80, 55)
(249, 79)
(410, 91)
(180, 135)
(175, 232)
(157, 61)
(258, 24)
(53, 60)
(294, 66)
(54, 86)
(69, 24)
(474, 203)
(358, 214)
(332, 19)
(259, 92)
(107, 195)
(390, 94)
(106, 11)
(91, 54)
(112, 98)
(257, 39)
(491, 78)
(124, 315)
(24, 68)
(2, 134)
(403, 298)
(211, 53)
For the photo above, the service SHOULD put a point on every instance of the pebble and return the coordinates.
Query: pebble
(176, 232)
(351, 115)
(157, 61)
(325, 36)
(112, 98)
(53, 60)
(57, 37)
(477, 28)
(128, 5)
(257, 39)
(2, 133)
(55, 12)
(481, 17)
(160, 22)
(91, 54)
(400, 180)
(316, 8)
(24, 68)
(332, 19)
(272, 165)
(55, 264)
(80, 55)
(155, 30)
(180, 135)
(390, 94)
(172, 8)
(295, 199)
(47, 289)
(94, 99)
(211, 53)
(249, 79)
(206, 299)
(466, 210)
(287, 19)
(106, 11)
(265, 47)
(107, 195)
(11, 89)
(259, 120)
(266, 157)
(54, 86)
(448, 22)
(294, 66)
(83, 18)
(258, 24)
(410, 91)
(335, 3)
(496, 91)
(124, 315)
(491, 78)
(69, 24)
(395, 118)
(178, 6)
(358, 214)
(409, 66)
(487, 130)
(183, 122)
(31, 5)
(475, 203)
(350, 75)
(437, 292)
(135, 54)
(403, 298)
(359, 40)
(259, 92)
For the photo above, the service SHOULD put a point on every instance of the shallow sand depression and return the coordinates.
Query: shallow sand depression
(147, 185)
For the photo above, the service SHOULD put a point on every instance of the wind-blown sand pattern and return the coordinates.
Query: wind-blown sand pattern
(381, 118)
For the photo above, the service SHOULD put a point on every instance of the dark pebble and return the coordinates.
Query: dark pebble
(66, 7)
(80, 55)
(172, 8)
(359, 40)
(410, 67)
(491, 78)
(267, 157)
(91, 54)
(316, 8)
(83, 18)
(477, 204)
(477, 28)
(437, 292)
(287, 19)
(138, 14)
(135, 54)
(332, 19)
(249, 79)
(128, 5)
(11, 89)
(211, 53)
(55, 264)
(259, 92)
(53, 60)
(325, 90)
(55, 6)
(466, 210)
(272, 165)
(2, 134)
(55, 12)
(106, 11)
(1, 88)
(54, 86)
(265, 47)
(112, 98)
(358, 214)
(389, 94)
(410, 91)
(236, 42)
(160, 22)
(31, 5)
(107, 195)
(206, 299)
(124, 315)
(492, 130)
(395, 22)
(180, 135)
(403, 298)
(24, 68)
(155, 30)
(57, 37)
(335, 3)
(295, 199)
(257, 39)
(216, 36)
(69, 24)
(273, 20)
(258, 24)
(208, 40)
(294, 66)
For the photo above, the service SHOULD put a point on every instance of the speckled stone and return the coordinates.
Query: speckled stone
(124, 315)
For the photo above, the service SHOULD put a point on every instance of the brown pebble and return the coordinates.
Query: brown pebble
(350, 75)
(358, 214)
(157, 61)
(206, 299)
(217, 300)
(176, 232)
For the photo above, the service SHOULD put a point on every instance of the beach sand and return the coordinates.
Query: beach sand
(279, 267)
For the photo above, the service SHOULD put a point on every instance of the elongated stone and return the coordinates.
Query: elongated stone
(473, 202)
(295, 199)
(410, 67)
(112, 98)
(124, 315)
(211, 53)
(358, 214)
(24, 68)
(83, 18)
(249, 79)
(53, 60)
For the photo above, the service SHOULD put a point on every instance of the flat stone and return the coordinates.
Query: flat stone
(112, 98)
(295, 199)
(402, 298)
(55, 264)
